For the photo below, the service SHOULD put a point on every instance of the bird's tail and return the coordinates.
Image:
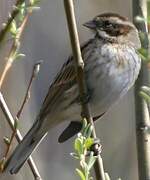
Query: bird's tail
(24, 149)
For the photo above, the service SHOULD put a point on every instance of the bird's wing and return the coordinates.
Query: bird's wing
(65, 79)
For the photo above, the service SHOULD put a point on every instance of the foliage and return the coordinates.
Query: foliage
(86, 150)
(82, 147)
(13, 30)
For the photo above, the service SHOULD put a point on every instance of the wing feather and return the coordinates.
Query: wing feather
(65, 79)
(62, 82)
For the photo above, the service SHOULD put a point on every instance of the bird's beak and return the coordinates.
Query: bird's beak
(90, 24)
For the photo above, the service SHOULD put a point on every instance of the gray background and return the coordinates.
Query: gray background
(46, 37)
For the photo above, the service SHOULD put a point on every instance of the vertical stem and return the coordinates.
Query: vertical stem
(79, 64)
(142, 114)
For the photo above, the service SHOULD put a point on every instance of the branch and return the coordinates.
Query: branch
(13, 50)
(16, 28)
(142, 115)
(16, 32)
(35, 71)
(69, 8)
(11, 122)
(14, 14)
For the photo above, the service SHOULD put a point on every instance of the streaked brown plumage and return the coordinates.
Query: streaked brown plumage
(111, 68)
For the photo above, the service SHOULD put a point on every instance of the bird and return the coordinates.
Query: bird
(112, 65)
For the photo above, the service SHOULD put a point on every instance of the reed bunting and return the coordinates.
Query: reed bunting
(112, 65)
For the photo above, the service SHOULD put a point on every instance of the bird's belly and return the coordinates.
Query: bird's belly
(109, 75)
(109, 88)
(106, 94)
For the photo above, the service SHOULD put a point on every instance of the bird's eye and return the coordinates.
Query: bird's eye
(107, 24)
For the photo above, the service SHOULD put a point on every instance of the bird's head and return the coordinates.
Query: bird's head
(113, 27)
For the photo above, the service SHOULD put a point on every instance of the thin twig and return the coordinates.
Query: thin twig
(13, 49)
(3, 104)
(18, 135)
(35, 71)
(69, 8)
(14, 14)
(142, 115)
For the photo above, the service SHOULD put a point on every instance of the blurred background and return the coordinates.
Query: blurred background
(46, 38)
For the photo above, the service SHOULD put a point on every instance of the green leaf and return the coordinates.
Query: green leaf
(86, 171)
(74, 155)
(148, 19)
(145, 96)
(78, 146)
(85, 131)
(31, 8)
(89, 131)
(33, 5)
(81, 174)
(34, 2)
(89, 142)
(143, 54)
(91, 162)
(20, 6)
(146, 89)
(13, 28)
(18, 56)
(6, 140)
(22, 10)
